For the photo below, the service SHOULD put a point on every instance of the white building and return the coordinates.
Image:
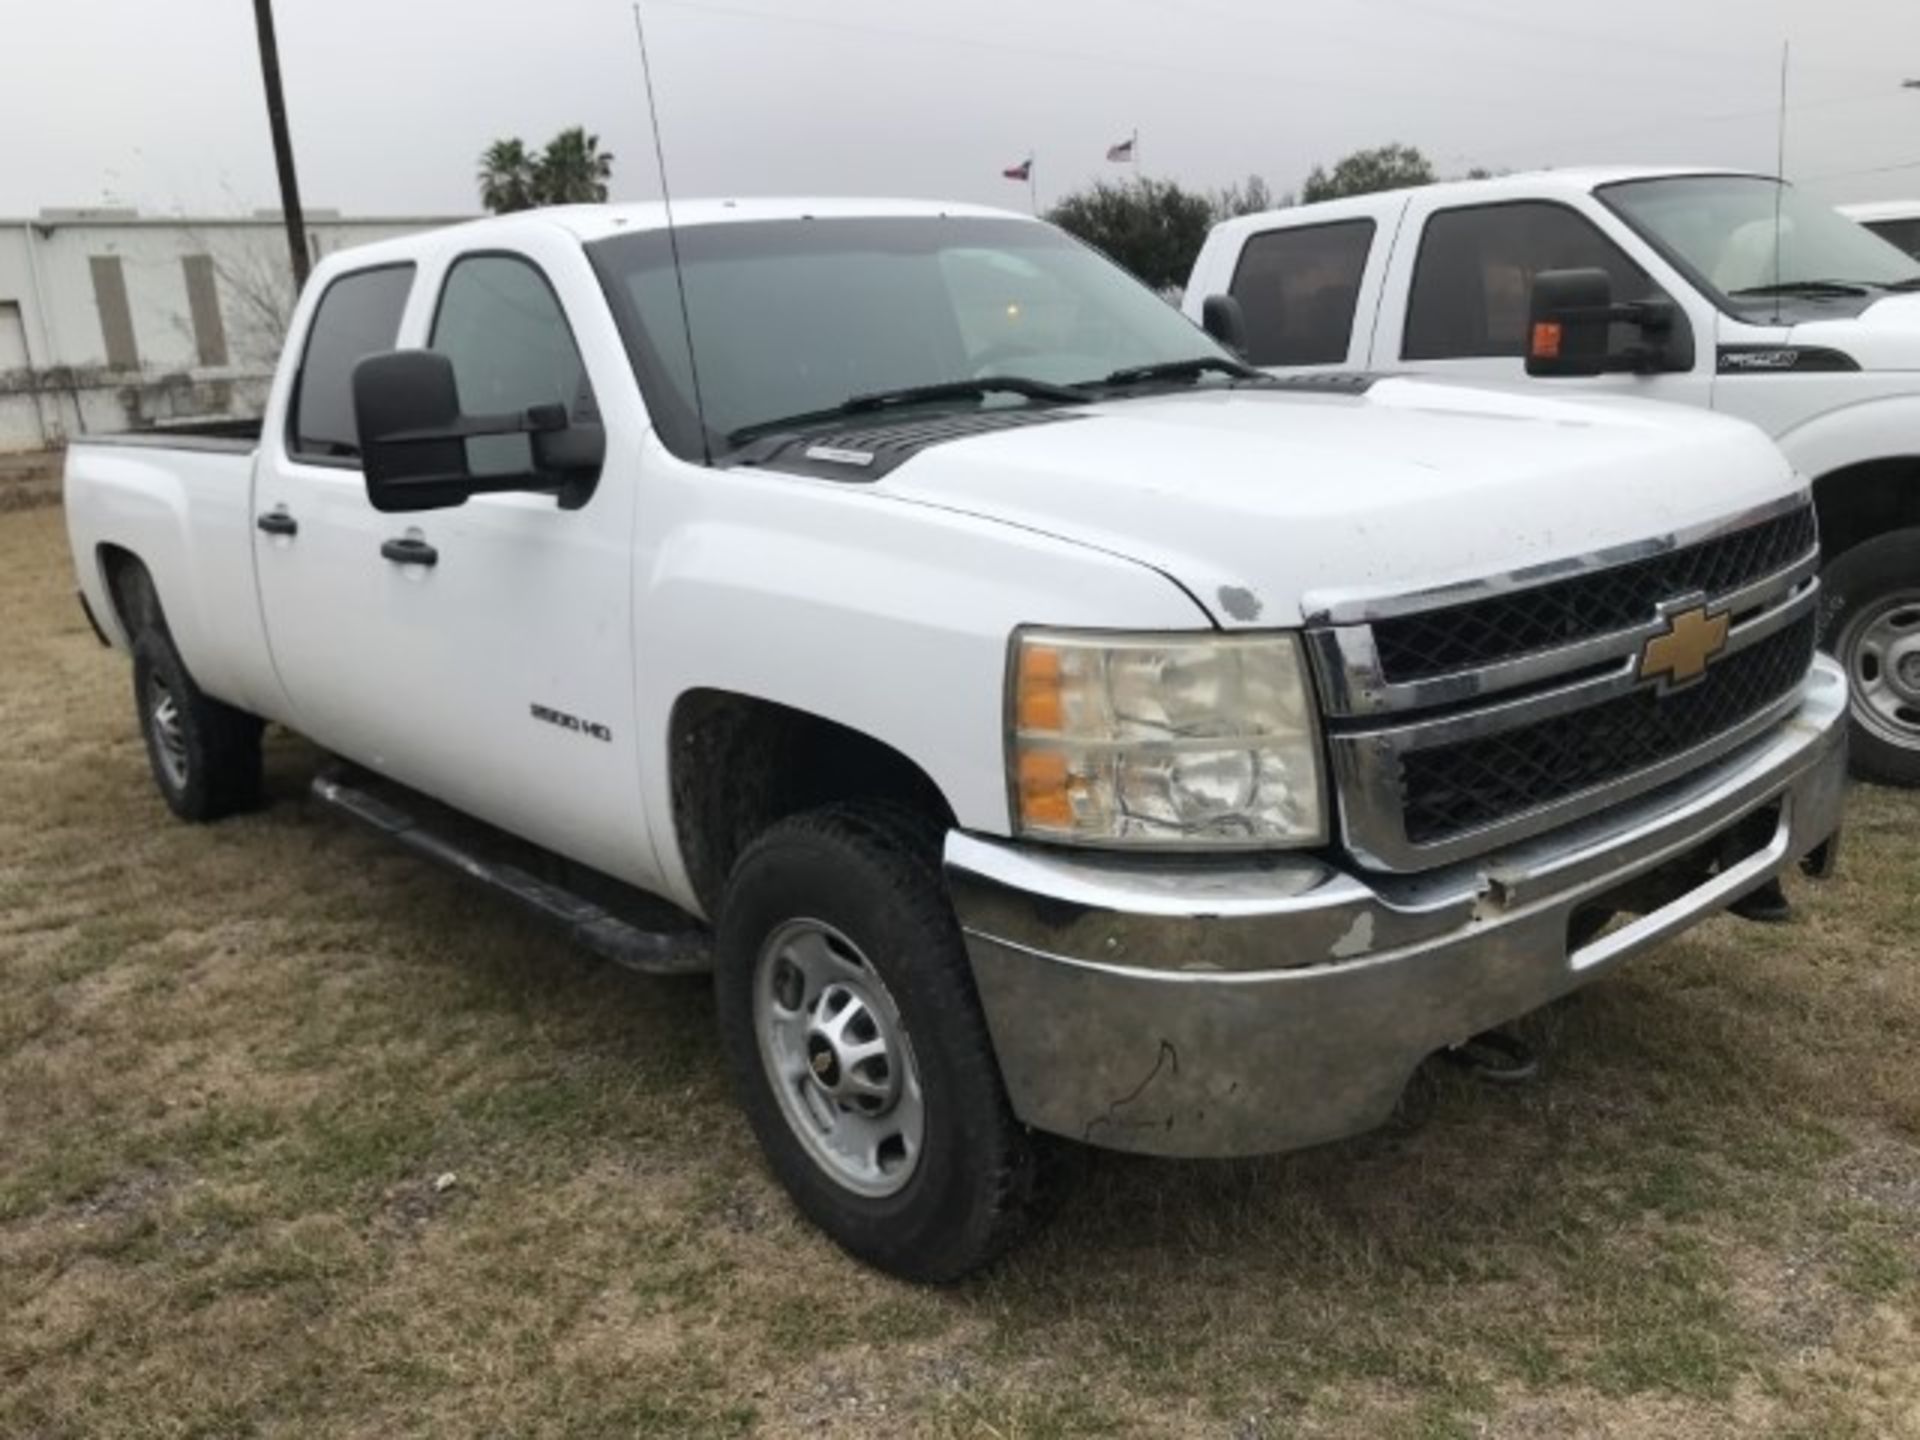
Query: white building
(111, 320)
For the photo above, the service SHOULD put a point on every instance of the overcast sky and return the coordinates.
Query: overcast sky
(133, 102)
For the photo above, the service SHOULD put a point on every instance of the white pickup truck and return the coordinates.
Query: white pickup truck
(1044, 724)
(1728, 292)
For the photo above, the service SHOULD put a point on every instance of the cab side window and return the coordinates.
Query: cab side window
(1475, 269)
(359, 315)
(1298, 289)
(501, 325)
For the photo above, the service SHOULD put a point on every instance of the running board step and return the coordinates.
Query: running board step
(592, 927)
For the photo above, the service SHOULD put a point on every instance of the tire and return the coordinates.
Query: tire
(205, 755)
(1872, 627)
(842, 913)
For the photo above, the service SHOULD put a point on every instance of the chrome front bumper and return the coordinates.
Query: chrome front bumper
(1192, 1008)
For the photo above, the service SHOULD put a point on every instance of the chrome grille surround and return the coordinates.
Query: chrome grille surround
(1374, 723)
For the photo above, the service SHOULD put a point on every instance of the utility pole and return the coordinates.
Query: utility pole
(282, 142)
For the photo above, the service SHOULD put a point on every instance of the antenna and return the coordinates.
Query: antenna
(1780, 175)
(673, 238)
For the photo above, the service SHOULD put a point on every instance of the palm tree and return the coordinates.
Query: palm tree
(509, 177)
(573, 169)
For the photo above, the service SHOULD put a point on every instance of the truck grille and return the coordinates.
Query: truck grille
(1449, 789)
(1460, 637)
(1471, 724)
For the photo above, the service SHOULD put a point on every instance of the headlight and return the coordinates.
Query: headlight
(1204, 741)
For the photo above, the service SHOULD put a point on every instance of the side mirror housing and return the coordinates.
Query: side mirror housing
(1569, 318)
(1223, 319)
(413, 439)
(406, 409)
(1568, 314)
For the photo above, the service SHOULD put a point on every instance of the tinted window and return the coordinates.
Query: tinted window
(1475, 272)
(1904, 233)
(503, 328)
(358, 316)
(1299, 288)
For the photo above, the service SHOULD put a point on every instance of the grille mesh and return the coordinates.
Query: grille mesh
(1450, 789)
(1505, 627)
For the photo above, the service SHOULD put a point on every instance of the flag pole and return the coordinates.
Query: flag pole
(1133, 151)
(1033, 181)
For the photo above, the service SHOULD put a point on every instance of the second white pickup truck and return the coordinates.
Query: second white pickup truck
(1044, 724)
(1730, 292)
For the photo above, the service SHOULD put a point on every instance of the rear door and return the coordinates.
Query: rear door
(1309, 292)
(499, 677)
(1457, 295)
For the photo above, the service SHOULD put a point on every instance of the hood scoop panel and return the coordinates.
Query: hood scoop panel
(867, 452)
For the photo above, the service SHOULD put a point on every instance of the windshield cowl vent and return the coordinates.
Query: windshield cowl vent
(867, 452)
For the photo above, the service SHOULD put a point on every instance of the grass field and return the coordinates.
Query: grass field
(238, 1065)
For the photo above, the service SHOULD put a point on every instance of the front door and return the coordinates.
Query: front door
(1461, 282)
(481, 653)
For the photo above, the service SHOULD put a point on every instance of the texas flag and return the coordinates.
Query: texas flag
(1123, 152)
(1022, 171)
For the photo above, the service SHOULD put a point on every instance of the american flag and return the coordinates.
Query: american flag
(1022, 171)
(1122, 152)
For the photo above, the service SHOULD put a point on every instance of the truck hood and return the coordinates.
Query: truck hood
(1268, 505)
(1884, 336)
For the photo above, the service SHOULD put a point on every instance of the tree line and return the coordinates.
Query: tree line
(1155, 227)
(1152, 227)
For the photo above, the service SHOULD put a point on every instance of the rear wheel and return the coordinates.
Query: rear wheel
(859, 1049)
(205, 756)
(1873, 629)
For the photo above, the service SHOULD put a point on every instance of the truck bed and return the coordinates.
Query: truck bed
(237, 437)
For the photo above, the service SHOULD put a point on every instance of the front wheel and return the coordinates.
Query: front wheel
(1873, 630)
(857, 1044)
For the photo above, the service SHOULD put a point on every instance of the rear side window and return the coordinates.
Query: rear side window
(357, 317)
(1474, 275)
(501, 325)
(1298, 289)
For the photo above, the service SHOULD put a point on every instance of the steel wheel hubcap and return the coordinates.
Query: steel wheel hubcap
(838, 1057)
(1881, 649)
(169, 736)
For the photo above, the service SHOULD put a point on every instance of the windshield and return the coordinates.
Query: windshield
(1723, 229)
(791, 318)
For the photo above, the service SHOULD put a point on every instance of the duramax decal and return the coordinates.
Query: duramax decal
(591, 728)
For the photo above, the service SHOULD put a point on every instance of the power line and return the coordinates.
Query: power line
(1848, 174)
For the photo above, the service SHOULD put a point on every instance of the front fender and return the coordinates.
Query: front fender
(1884, 427)
(889, 617)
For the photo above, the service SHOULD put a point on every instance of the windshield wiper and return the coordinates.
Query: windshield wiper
(1910, 283)
(1804, 287)
(1183, 370)
(874, 400)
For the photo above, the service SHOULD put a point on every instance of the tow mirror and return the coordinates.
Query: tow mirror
(413, 439)
(1222, 317)
(1569, 318)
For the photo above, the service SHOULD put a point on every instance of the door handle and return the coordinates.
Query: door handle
(410, 550)
(278, 522)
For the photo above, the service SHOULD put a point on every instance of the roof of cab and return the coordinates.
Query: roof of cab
(588, 223)
(596, 222)
(1575, 180)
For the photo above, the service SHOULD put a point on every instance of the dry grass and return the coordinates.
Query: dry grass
(233, 1061)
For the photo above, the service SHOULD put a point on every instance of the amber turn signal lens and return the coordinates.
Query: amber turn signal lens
(1546, 340)
(1044, 795)
(1037, 700)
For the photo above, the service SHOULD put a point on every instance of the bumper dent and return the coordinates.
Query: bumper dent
(1190, 1008)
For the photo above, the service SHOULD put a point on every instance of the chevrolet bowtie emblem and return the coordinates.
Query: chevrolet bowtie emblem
(1681, 654)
